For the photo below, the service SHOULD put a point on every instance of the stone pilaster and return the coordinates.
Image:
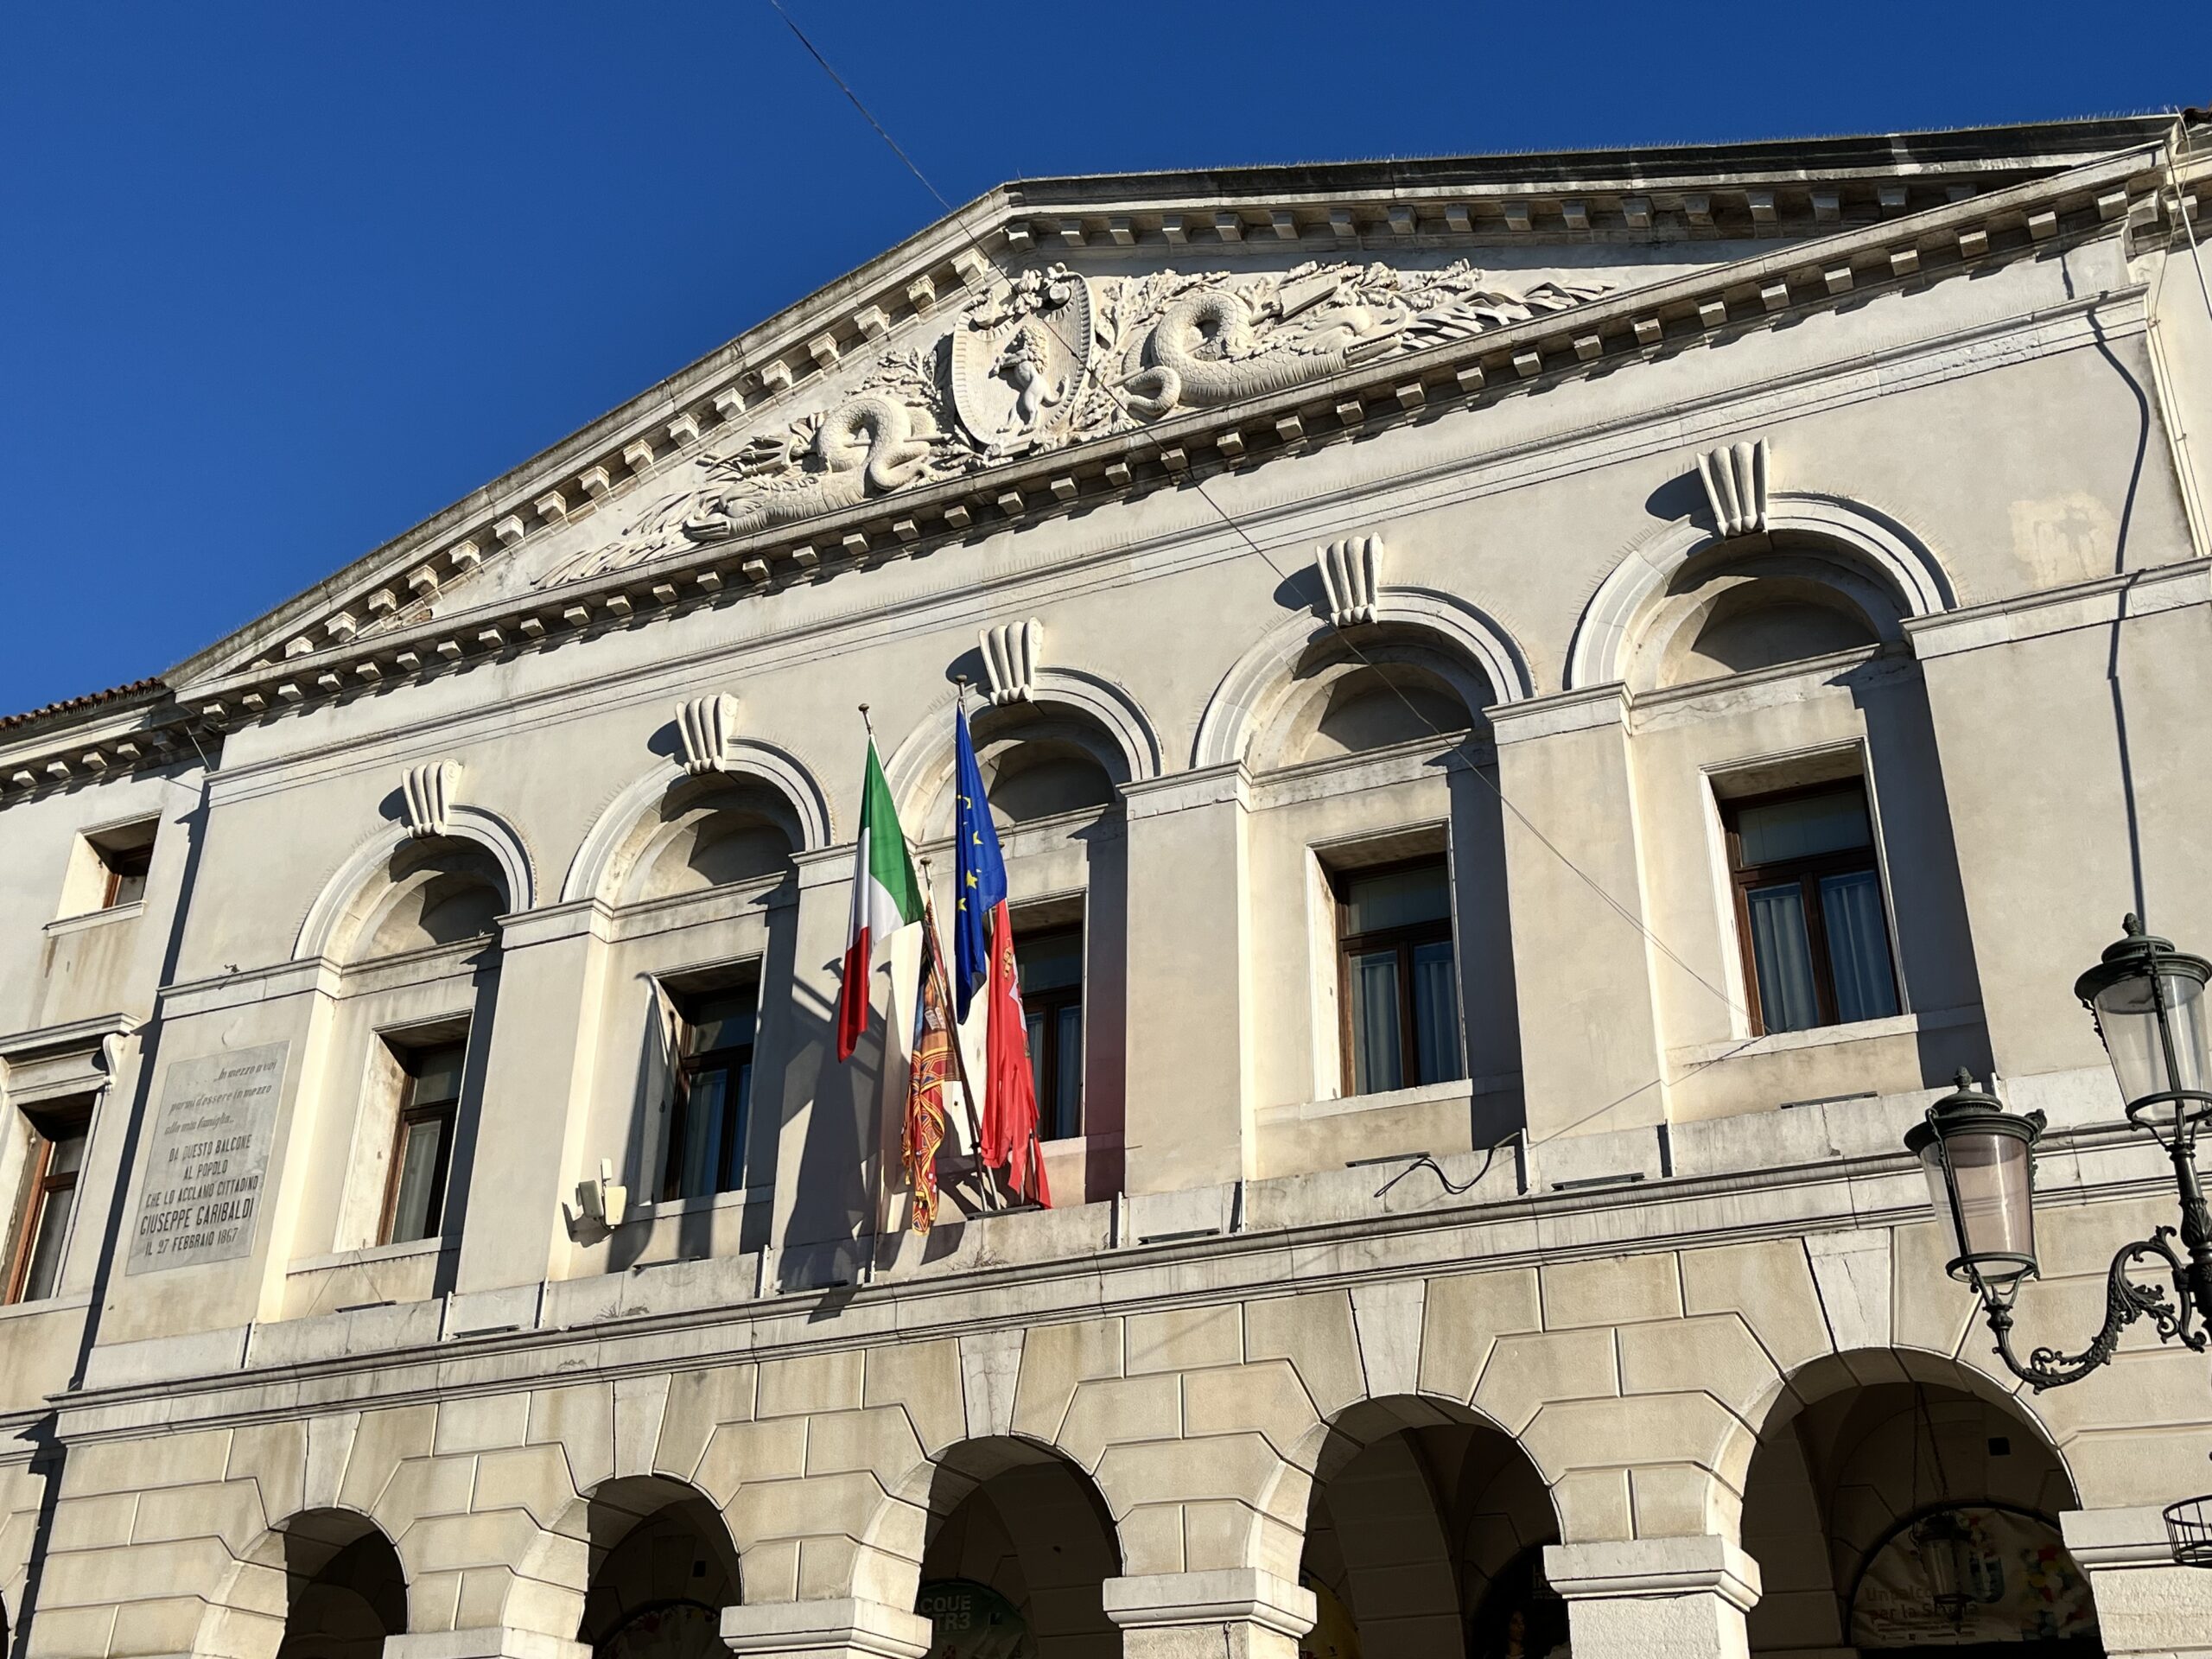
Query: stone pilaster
(846, 1629)
(537, 1080)
(1583, 977)
(1655, 1597)
(1227, 1613)
(1190, 1013)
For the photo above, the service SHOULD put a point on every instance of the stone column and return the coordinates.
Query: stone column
(1582, 974)
(2146, 1603)
(538, 1072)
(1227, 1613)
(1189, 1005)
(846, 1629)
(488, 1642)
(1655, 1597)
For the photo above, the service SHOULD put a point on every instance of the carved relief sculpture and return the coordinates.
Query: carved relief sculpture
(1351, 576)
(427, 795)
(1735, 487)
(1199, 342)
(1020, 353)
(1011, 652)
(707, 729)
(1048, 359)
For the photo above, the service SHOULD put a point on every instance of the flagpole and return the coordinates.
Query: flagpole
(879, 1220)
(959, 1049)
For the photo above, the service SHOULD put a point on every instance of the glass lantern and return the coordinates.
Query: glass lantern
(1945, 1550)
(1978, 1159)
(2149, 1002)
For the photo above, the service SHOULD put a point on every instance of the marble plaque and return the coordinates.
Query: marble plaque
(203, 1194)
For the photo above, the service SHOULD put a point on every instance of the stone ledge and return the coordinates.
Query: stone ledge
(1242, 1595)
(492, 1642)
(865, 1629)
(1641, 1568)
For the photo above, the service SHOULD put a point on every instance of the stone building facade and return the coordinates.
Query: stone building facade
(1541, 708)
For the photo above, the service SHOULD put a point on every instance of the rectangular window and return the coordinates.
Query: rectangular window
(107, 869)
(422, 1154)
(1400, 982)
(57, 1159)
(125, 869)
(713, 1090)
(1049, 965)
(1808, 908)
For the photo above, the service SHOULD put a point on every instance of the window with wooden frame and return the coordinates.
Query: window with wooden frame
(124, 870)
(56, 1162)
(107, 869)
(714, 1087)
(1048, 965)
(421, 1152)
(1810, 915)
(1398, 977)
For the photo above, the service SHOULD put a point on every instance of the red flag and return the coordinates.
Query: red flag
(1009, 1126)
(926, 1084)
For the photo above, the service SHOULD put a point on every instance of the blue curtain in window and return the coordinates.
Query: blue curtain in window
(1858, 947)
(1436, 1015)
(1784, 956)
(1375, 1023)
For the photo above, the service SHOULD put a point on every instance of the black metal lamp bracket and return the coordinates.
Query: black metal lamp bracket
(2125, 1301)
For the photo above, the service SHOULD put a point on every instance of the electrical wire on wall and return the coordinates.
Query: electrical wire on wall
(1457, 749)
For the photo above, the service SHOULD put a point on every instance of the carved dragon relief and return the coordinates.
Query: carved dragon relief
(1053, 358)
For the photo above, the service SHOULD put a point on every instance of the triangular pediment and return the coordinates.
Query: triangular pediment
(1062, 318)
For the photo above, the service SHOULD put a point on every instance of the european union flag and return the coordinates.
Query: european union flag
(980, 869)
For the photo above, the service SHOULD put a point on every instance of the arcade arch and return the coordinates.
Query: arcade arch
(1900, 1501)
(662, 1570)
(345, 1589)
(1425, 1536)
(1019, 1546)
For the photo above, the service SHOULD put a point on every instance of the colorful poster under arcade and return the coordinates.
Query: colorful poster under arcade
(2016, 1584)
(210, 1152)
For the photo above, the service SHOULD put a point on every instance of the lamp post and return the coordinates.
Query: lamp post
(2149, 1002)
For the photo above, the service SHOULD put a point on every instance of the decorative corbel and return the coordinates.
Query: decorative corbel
(1011, 651)
(1351, 576)
(707, 730)
(430, 791)
(1735, 478)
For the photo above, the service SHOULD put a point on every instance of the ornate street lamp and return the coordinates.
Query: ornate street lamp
(2150, 1005)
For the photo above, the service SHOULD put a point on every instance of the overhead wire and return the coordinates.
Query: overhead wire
(1456, 744)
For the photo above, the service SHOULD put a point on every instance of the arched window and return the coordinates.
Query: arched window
(428, 894)
(1727, 610)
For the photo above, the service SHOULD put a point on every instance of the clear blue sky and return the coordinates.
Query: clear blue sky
(279, 280)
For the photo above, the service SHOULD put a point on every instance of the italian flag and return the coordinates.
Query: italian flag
(886, 897)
